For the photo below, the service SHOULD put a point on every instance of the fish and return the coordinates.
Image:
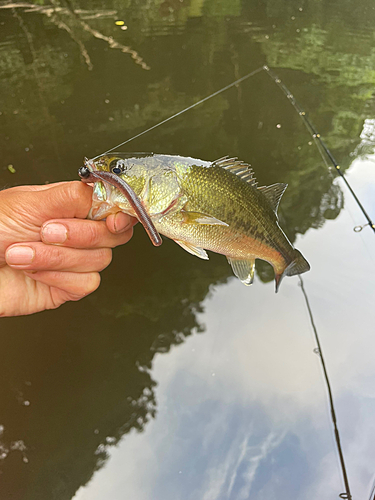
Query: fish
(201, 205)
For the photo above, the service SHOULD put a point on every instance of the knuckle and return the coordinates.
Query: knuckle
(49, 257)
(78, 195)
(76, 190)
(92, 234)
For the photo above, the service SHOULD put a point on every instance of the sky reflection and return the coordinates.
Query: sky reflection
(242, 409)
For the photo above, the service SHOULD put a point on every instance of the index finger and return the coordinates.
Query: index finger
(84, 233)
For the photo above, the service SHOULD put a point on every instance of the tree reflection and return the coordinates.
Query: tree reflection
(85, 368)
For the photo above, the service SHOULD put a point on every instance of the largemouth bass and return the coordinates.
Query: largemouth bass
(203, 205)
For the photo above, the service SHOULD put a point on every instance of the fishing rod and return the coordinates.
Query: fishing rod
(323, 149)
(372, 494)
(325, 152)
(318, 350)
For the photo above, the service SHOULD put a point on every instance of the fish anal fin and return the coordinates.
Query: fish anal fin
(239, 168)
(273, 194)
(243, 269)
(200, 218)
(194, 250)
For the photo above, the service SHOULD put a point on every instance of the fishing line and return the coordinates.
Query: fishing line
(322, 148)
(324, 152)
(320, 144)
(318, 350)
(236, 82)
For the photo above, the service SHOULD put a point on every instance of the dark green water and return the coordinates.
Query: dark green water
(209, 389)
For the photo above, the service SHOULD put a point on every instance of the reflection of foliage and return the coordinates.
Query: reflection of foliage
(106, 359)
(367, 144)
(67, 434)
(341, 81)
(160, 102)
(314, 51)
(90, 383)
(222, 8)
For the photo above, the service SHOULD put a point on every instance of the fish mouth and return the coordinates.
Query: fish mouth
(102, 204)
(102, 193)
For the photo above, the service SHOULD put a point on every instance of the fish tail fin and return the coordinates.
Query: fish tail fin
(298, 265)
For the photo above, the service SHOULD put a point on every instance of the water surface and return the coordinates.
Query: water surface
(173, 380)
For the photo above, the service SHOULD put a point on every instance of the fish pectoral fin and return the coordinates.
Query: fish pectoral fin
(189, 247)
(145, 193)
(243, 269)
(200, 218)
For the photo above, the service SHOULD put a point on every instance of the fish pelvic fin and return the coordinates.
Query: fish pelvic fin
(193, 249)
(243, 269)
(298, 265)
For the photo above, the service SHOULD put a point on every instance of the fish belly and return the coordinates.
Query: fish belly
(220, 239)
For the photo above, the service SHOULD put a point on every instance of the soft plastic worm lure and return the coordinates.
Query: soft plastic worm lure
(88, 176)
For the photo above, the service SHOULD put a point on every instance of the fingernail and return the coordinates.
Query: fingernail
(20, 256)
(54, 233)
(118, 223)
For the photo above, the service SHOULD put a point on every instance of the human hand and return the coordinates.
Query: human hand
(49, 252)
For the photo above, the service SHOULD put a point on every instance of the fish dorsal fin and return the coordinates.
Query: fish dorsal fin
(273, 194)
(237, 167)
(243, 269)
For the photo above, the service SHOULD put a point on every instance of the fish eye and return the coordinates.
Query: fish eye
(116, 167)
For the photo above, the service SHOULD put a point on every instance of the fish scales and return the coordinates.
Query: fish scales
(225, 205)
(231, 200)
(202, 206)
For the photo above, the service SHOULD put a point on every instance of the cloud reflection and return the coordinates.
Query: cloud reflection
(243, 409)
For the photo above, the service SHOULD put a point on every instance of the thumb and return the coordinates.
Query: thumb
(31, 206)
(23, 210)
(63, 200)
